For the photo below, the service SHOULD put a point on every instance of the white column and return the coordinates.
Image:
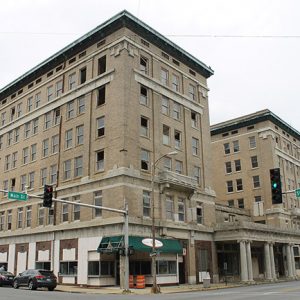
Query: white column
(267, 262)
(273, 271)
(243, 261)
(293, 261)
(289, 260)
(249, 261)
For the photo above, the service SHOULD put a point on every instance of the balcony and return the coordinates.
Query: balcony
(177, 181)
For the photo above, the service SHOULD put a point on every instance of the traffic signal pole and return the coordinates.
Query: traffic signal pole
(126, 228)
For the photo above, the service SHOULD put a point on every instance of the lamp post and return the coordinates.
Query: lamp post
(155, 289)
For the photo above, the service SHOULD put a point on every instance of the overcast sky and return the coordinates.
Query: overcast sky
(253, 46)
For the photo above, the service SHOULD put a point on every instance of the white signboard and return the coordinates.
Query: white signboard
(148, 242)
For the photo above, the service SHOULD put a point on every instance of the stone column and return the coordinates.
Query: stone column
(249, 261)
(293, 261)
(289, 260)
(273, 271)
(267, 262)
(243, 261)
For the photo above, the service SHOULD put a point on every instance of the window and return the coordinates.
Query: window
(9, 138)
(226, 148)
(25, 156)
(229, 186)
(165, 106)
(144, 127)
(28, 216)
(70, 110)
(72, 81)
(3, 118)
(53, 174)
(33, 152)
(14, 159)
(13, 184)
(195, 146)
(41, 215)
(78, 166)
(199, 215)
(47, 120)
(27, 130)
(29, 104)
(164, 77)
(256, 182)
(236, 146)
(68, 138)
(55, 144)
(100, 160)
(101, 95)
(252, 142)
(7, 163)
(192, 92)
(65, 212)
(37, 99)
(228, 167)
(17, 135)
(56, 116)
(100, 127)
(81, 105)
(145, 160)
(230, 203)
(23, 182)
(2, 220)
(9, 219)
(43, 176)
(59, 88)
(197, 174)
(169, 208)
(166, 135)
(176, 111)
(177, 139)
(31, 180)
(144, 96)
(82, 75)
(20, 217)
(76, 209)
(239, 185)
(257, 199)
(178, 166)
(35, 126)
(79, 135)
(67, 169)
(175, 83)
(45, 149)
(194, 118)
(98, 202)
(101, 268)
(181, 210)
(241, 203)
(146, 204)
(50, 93)
(144, 65)
(12, 113)
(19, 110)
(50, 218)
(254, 162)
(237, 164)
(1, 142)
(167, 163)
(102, 65)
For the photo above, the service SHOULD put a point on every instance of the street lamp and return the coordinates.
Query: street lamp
(155, 289)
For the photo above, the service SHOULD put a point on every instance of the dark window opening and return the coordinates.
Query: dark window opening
(102, 65)
(83, 75)
(101, 95)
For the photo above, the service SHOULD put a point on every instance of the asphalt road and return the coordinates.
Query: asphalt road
(278, 291)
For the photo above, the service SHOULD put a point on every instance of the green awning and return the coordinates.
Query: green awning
(113, 244)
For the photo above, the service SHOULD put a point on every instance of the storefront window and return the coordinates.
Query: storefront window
(101, 268)
(166, 267)
(68, 268)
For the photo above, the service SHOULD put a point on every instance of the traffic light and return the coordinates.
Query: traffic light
(48, 194)
(276, 186)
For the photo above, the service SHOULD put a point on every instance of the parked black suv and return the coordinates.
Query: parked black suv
(6, 278)
(35, 279)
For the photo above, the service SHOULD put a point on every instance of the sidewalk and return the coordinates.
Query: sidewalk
(164, 290)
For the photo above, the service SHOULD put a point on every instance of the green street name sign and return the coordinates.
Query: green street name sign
(297, 193)
(17, 196)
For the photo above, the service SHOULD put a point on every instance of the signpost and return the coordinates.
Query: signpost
(17, 196)
(297, 193)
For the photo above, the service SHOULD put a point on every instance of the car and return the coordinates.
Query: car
(6, 278)
(36, 278)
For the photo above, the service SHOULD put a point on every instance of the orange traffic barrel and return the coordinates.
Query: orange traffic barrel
(131, 284)
(140, 281)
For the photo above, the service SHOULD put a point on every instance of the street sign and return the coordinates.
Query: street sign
(17, 196)
(297, 193)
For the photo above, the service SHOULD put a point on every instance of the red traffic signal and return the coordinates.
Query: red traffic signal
(48, 195)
